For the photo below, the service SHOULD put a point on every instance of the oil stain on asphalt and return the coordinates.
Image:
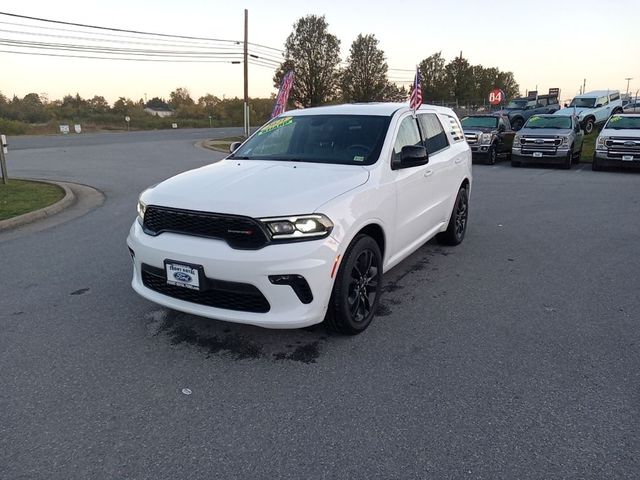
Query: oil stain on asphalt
(237, 342)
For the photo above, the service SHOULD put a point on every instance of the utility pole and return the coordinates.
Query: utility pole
(628, 79)
(3, 160)
(246, 73)
(584, 86)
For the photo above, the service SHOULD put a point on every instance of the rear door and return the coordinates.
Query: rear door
(440, 162)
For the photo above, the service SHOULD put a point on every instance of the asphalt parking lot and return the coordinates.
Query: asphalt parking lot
(512, 356)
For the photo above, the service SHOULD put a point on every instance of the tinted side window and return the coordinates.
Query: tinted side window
(614, 96)
(408, 134)
(542, 102)
(603, 101)
(435, 138)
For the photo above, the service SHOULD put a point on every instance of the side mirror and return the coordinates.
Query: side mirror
(502, 129)
(412, 156)
(598, 105)
(234, 146)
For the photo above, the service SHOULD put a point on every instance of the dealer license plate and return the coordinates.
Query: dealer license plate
(537, 154)
(627, 158)
(180, 275)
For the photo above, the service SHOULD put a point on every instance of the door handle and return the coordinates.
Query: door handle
(428, 173)
(458, 160)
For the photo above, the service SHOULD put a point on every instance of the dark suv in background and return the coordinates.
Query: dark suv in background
(520, 110)
(489, 136)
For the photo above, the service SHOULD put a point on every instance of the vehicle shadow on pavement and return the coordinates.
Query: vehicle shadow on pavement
(246, 342)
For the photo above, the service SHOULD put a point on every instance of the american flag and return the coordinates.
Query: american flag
(415, 100)
(283, 94)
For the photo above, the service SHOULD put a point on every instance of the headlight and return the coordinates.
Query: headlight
(601, 143)
(142, 207)
(486, 138)
(299, 227)
(516, 141)
(565, 141)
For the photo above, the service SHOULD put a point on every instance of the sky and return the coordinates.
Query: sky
(545, 43)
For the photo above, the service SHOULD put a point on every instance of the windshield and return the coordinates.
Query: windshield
(480, 122)
(342, 139)
(583, 102)
(618, 122)
(517, 105)
(552, 121)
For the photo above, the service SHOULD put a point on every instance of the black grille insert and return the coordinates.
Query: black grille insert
(238, 232)
(241, 297)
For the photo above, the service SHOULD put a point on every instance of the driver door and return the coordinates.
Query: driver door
(416, 192)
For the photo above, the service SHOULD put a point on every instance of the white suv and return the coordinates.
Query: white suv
(594, 108)
(299, 223)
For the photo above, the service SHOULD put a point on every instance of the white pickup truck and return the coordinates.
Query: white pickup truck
(594, 108)
(618, 144)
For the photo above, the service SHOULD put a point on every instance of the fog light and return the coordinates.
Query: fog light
(297, 283)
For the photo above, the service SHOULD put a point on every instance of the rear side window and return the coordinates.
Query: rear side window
(408, 134)
(614, 96)
(433, 133)
(454, 129)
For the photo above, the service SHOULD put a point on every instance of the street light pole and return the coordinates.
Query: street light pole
(628, 79)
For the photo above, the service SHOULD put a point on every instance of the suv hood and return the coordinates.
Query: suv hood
(569, 111)
(625, 133)
(545, 132)
(256, 188)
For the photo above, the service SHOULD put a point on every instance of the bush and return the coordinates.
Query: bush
(13, 127)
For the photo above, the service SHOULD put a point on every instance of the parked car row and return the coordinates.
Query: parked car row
(553, 139)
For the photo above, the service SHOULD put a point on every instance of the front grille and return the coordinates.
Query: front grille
(540, 144)
(620, 146)
(238, 232)
(241, 297)
(471, 137)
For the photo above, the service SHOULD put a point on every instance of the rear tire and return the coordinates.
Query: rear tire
(517, 124)
(454, 234)
(356, 291)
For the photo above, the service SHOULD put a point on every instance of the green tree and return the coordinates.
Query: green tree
(314, 55)
(364, 79)
(180, 97)
(433, 77)
(208, 103)
(459, 75)
(32, 109)
(158, 104)
(98, 105)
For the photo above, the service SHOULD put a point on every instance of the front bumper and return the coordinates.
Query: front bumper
(314, 260)
(554, 157)
(479, 152)
(605, 160)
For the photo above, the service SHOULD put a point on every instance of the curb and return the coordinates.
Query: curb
(66, 201)
(203, 144)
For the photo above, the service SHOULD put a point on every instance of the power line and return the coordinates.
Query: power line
(105, 40)
(110, 50)
(115, 35)
(112, 29)
(229, 61)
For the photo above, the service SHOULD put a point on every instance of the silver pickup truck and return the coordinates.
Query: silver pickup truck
(551, 139)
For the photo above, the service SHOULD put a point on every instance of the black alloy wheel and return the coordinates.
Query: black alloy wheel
(454, 235)
(357, 288)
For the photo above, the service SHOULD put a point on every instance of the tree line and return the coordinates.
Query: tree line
(313, 53)
(18, 115)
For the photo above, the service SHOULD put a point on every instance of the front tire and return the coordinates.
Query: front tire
(454, 234)
(357, 289)
(493, 155)
(568, 161)
(589, 125)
